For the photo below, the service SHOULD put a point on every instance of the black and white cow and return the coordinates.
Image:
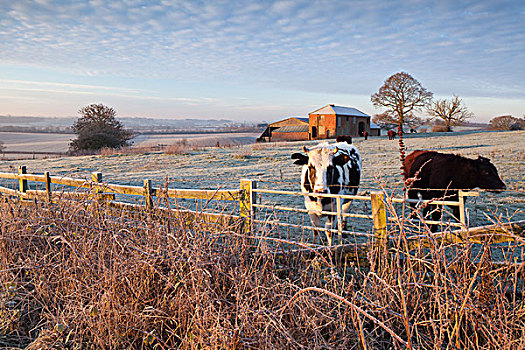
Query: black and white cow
(328, 168)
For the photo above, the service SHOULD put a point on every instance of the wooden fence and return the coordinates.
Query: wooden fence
(245, 197)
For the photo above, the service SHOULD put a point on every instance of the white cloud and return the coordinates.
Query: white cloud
(325, 45)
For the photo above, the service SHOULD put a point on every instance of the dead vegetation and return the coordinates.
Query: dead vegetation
(76, 275)
(178, 147)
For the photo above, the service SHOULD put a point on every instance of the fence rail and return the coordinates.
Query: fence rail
(246, 199)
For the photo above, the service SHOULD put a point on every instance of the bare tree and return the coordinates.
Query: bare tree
(387, 120)
(401, 94)
(2, 147)
(452, 112)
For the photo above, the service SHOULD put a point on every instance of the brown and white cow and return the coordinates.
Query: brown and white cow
(328, 169)
(431, 175)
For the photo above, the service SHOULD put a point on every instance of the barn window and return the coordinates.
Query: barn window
(338, 122)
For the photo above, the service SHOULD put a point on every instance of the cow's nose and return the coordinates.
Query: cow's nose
(320, 190)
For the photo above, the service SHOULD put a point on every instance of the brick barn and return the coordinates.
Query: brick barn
(289, 129)
(331, 121)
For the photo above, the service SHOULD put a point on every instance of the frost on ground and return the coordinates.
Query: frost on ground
(270, 165)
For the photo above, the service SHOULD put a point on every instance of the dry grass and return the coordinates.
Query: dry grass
(78, 276)
(181, 147)
(106, 151)
(178, 147)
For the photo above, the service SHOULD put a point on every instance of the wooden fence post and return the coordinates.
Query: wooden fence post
(246, 203)
(48, 185)
(96, 177)
(339, 219)
(461, 199)
(22, 183)
(148, 194)
(379, 217)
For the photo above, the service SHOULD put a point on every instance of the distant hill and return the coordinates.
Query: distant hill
(138, 124)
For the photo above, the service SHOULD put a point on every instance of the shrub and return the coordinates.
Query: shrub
(440, 128)
(97, 128)
(506, 122)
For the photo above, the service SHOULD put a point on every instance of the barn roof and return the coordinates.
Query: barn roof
(374, 125)
(292, 128)
(296, 120)
(340, 110)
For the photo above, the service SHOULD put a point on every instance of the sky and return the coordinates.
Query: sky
(255, 60)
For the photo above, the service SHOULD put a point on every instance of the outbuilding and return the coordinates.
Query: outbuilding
(331, 121)
(289, 129)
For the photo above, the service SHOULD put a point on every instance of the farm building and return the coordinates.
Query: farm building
(331, 121)
(289, 129)
(327, 122)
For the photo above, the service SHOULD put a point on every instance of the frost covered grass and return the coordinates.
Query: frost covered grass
(75, 275)
(271, 166)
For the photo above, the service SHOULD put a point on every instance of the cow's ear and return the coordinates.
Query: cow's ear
(302, 159)
(483, 159)
(341, 159)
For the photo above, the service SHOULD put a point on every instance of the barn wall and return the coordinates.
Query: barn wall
(374, 132)
(268, 134)
(325, 125)
(348, 125)
(289, 136)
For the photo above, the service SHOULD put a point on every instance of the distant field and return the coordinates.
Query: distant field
(46, 142)
(271, 166)
(197, 139)
(18, 141)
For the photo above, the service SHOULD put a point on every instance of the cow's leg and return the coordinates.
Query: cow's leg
(436, 216)
(316, 222)
(455, 211)
(329, 225)
(425, 210)
(345, 208)
(412, 194)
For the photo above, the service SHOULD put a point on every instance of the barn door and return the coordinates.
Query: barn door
(361, 128)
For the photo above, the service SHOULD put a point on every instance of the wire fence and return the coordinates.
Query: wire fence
(278, 212)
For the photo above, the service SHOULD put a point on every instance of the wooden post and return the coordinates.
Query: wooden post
(148, 194)
(48, 185)
(22, 183)
(245, 203)
(96, 177)
(461, 199)
(339, 219)
(379, 217)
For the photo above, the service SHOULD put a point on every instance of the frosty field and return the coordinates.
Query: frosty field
(52, 142)
(270, 165)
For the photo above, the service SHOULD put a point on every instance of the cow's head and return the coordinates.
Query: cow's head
(486, 176)
(318, 163)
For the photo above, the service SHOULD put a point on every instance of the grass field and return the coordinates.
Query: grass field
(77, 276)
(271, 166)
(53, 142)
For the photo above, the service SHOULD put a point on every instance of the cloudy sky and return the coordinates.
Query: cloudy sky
(255, 60)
